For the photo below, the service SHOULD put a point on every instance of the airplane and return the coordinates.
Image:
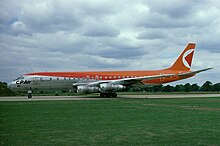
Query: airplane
(107, 83)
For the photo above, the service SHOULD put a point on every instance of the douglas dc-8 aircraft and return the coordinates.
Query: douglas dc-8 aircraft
(107, 83)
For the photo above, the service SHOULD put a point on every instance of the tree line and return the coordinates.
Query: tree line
(207, 86)
(5, 91)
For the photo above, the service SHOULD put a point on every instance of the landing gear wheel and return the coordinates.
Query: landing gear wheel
(114, 95)
(102, 95)
(29, 96)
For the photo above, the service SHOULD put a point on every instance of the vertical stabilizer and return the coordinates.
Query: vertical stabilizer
(184, 61)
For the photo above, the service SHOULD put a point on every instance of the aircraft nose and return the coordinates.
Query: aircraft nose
(11, 84)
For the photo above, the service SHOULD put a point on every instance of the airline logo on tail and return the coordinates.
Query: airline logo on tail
(187, 58)
(184, 61)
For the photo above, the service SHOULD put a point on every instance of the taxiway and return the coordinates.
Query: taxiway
(96, 97)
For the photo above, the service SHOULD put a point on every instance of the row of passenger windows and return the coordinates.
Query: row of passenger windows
(88, 77)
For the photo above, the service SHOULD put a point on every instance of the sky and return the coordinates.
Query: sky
(82, 35)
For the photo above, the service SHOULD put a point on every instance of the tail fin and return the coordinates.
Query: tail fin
(184, 61)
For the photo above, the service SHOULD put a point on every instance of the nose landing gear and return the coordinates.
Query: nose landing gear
(30, 93)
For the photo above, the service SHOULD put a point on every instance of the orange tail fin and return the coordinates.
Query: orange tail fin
(184, 61)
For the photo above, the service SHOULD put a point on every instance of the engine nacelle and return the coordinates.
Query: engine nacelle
(107, 87)
(87, 89)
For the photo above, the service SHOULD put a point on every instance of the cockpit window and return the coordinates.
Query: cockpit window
(19, 78)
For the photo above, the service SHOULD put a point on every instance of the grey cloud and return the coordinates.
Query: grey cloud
(121, 48)
(129, 53)
(173, 8)
(156, 20)
(178, 14)
(99, 28)
(95, 35)
(211, 46)
(100, 31)
(51, 16)
(152, 34)
(101, 63)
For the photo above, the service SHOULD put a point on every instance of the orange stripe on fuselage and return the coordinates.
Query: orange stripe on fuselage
(114, 75)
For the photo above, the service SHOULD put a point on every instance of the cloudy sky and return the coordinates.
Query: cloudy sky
(81, 35)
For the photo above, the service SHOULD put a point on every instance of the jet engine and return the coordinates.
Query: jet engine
(107, 87)
(87, 89)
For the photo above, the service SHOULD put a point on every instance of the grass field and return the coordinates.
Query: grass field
(111, 122)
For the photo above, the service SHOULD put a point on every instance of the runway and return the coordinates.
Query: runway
(96, 97)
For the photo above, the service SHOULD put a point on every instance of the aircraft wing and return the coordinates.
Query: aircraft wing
(130, 81)
(192, 72)
(125, 81)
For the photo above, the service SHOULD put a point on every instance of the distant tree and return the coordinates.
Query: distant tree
(216, 87)
(207, 86)
(5, 91)
(137, 89)
(146, 88)
(5, 83)
(195, 87)
(179, 88)
(157, 88)
(167, 88)
(150, 89)
(187, 87)
(141, 89)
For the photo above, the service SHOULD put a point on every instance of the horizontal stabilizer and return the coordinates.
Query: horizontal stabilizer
(193, 72)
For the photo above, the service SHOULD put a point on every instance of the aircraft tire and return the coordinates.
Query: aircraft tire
(114, 95)
(29, 96)
(102, 95)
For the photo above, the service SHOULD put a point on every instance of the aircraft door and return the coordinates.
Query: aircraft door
(162, 78)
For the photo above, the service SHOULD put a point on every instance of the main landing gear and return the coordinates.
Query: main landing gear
(29, 95)
(108, 95)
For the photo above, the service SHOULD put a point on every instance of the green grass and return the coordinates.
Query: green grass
(111, 122)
